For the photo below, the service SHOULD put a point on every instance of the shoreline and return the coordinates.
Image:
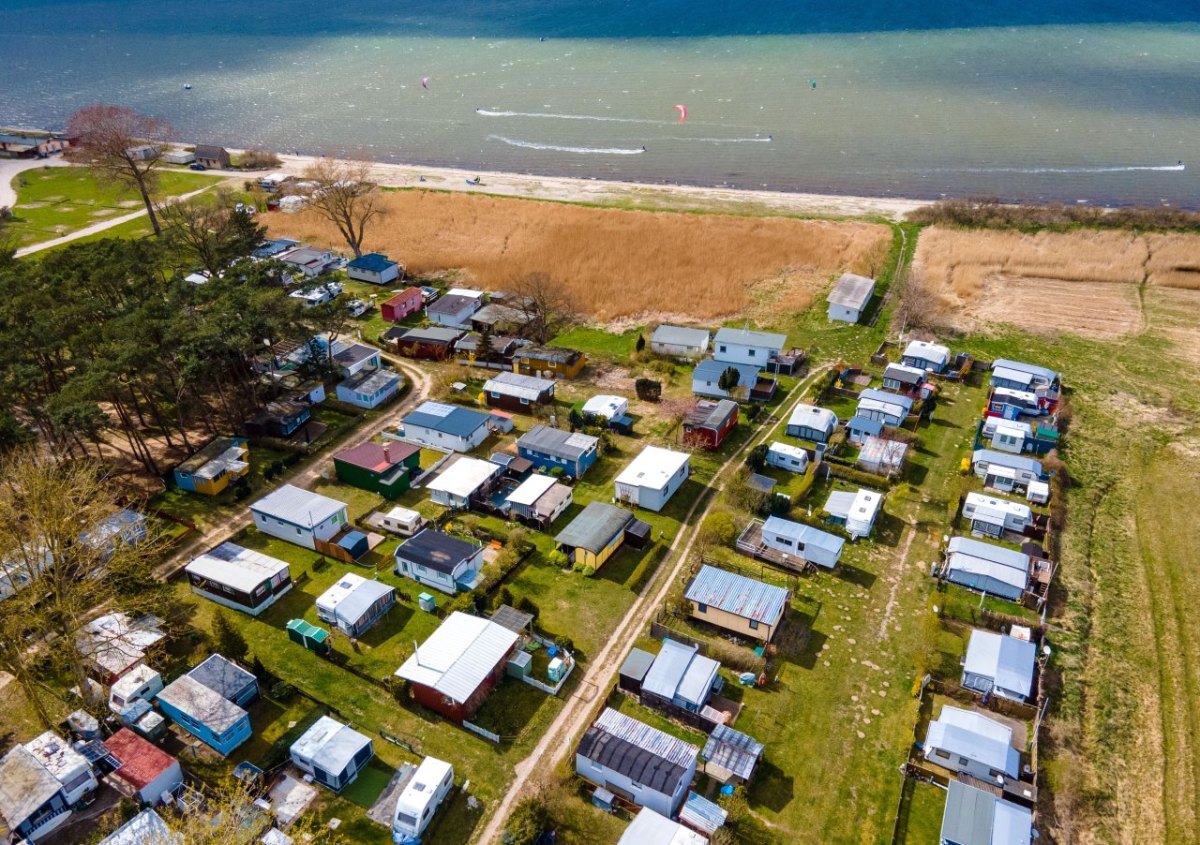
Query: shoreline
(649, 196)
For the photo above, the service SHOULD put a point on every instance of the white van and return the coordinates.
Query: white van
(420, 799)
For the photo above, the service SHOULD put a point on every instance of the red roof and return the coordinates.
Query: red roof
(404, 296)
(376, 458)
(141, 761)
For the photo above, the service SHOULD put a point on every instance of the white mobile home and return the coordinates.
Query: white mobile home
(299, 516)
(903, 377)
(402, 521)
(332, 753)
(785, 456)
(463, 482)
(420, 799)
(637, 762)
(443, 426)
(809, 422)
(993, 516)
(354, 604)
(742, 346)
(999, 664)
(240, 578)
(884, 407)
(849, 297)
(796, 538)
(1005, 472)
(679, 342)
(966, 741)
(856, 511)
(987, 568)
(926, 356)
(652, 478)
(1017, 375)
(1007, 435)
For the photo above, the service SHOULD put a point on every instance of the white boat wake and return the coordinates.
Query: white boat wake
(533, 145)
(553, 116)
(1175, 168)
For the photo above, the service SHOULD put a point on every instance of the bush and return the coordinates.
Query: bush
(565, 642)
(398, 687)
(557, 472)
(718, 529)
(857, 476)
(241, 492)
(588, 571)
(282, 691)
(756, 459)
(648, 389)
(557, 559)
(258, 160)
(228, 640)
(529, 820)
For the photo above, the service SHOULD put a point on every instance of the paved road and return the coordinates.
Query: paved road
(11, 167)
(576, 715)
(303, 477)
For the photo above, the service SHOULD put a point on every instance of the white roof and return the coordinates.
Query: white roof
(240, 568)
(861, 505)
(976, 737)
(470, 293)
(927, 351)
(531, 489)
(57, 755)
(970, 565)
(298, 506)
(649, 828)
(852, 291)
(146, 828)
(606, 406)
(459, 655)
(788, 449)
(986, 505)
(422, 786)
(653, 468)
(128, 683)
(464, 477)
(329, 744)
(228, 461)
(1006, 660)
(813, 417)
(331, 598)
(403, 515)
(515, 384)
(883, 452)
(994, 424)
(871, 403)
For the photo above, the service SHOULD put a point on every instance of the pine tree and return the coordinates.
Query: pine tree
(229, 640)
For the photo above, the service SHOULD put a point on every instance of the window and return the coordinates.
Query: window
(753, 624)
(938, 752)
(783, 542)
(701, 607)
(963, 761)
(298, 531)
(723, 348)
(751, 352)
(524, 401)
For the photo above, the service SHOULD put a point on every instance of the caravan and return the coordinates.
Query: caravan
(420, 799)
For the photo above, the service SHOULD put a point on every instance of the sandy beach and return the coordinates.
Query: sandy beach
(627, 194)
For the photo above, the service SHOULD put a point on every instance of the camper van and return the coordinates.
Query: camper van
(420, 799)
(140, 684)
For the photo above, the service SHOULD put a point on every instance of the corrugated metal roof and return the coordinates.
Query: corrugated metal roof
(887, 396)
(852, 291)
(298, 506)
(557, 442)
(515, 384)
(189, 696)
(732, 750)
(746, 337)
(702, 814)
(1006, 660)
(966, 733)
(710, 370)
(737, 594)
(887, 453)
(459, 655)
(988, 551)
(448, 419)
(237, 567)
(802, 533)
(653, 468)
(680, 336)
(595, 527)
(647, 755)
(975, 817)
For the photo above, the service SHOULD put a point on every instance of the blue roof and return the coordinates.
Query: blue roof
(737, 594)
(871, 427)
(710, 370)
(274, 247)
(351, 540)
(374, 262)
(1006, 459)
(448, 419)
(887, 396)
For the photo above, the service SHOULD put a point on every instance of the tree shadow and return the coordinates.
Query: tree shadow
(771, 787)
(854, 575)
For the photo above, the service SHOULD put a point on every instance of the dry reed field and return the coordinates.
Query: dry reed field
(614, 264)
(1090, 278)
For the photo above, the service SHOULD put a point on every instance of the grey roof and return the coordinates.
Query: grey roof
(1006, 459)
(25, 785)
(515, 384)
(595, 527)
(512, 619)
(493, 313)
(712, 415)
(975, 817)
(647, 755)
(371, 381)
(297, 506)
(224, 677)
(887, 396)
(329, 744)
(680, 336)
(448, 419)
(804, 533)
(209, 708)
(680, 671)
(354, 353)
(553, 354)
(700, 813)
(557, 442)
(904, 373)
(864, 424)
(737, 594)
(1006, 660)
(360, 598)
(732, 750)
(435, 550)
(852, 291)
(637, 664)
(1021, 367)
(451, 305)
(751, 338)
(988, 551)
(210, 151)
(433, 334)
(710, 369)
(972, 735)
(469, 342)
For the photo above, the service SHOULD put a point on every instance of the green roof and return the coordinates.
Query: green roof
(595, 527)
(307, 629)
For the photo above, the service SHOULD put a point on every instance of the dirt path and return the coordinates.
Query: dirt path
(102, 226)
(896, 579)
(556, 743)
(306, 475)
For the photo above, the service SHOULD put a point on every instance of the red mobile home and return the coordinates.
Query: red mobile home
(709, 423)
(408, 301)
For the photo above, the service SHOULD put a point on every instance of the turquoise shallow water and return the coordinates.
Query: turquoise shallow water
(1071, 101)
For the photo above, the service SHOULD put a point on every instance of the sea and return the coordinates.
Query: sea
(1077, 101)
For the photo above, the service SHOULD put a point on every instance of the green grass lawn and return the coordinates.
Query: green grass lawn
(599, 344)
(55, 201)
(921, 814)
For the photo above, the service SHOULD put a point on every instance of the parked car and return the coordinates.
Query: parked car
(195, 165)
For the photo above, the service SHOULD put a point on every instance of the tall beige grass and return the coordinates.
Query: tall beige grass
(613, 263)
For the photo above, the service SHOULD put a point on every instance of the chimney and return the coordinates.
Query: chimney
(387, 451)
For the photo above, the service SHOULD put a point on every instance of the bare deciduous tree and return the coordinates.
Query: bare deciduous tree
(210, 231)
(544, 306)
(122, 145)
(345, 194)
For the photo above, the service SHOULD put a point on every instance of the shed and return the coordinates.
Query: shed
(730, 756)
(859, 429)
(651, 828)
(593, 536)
(679, 341)
(400, 305)
(633, 670)
(709, 422)
(736, 603)
(681, 676)
(702, 815)
(849, 297)
(308, 635)
(882, 457)
(354, 604)
(999, 664)
(434, 343)
(332, 753)
(606, 406)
